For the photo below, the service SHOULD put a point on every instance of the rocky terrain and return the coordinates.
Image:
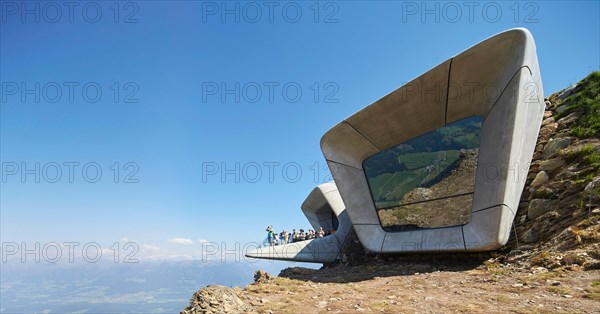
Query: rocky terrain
(551, 263)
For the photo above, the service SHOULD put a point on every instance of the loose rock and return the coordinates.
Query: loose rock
(540, 179)
(551, 165)
(538, 207)
(547, 131)
(554, 146)
(530, 236)
(570, 118)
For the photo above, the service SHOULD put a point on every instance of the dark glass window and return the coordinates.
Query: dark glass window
(427, 181)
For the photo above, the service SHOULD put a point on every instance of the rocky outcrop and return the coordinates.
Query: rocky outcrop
(538, 207)
(261, 276)
(556, 212)
(217, 299)
(554, 146)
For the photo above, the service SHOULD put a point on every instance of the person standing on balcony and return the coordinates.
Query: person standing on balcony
(320, 233)
(270, 235)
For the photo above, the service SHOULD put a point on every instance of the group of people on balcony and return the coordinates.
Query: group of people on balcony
(285, 237)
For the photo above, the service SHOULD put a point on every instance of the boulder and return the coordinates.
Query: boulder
(548, 121)
(551, 165)
(262, 276)
(544, 223)
(534, 167)
(547, 131)
(530, 236)
(560, 109)
(539, 148)
(593, 184)
(565, 174)
(543, 192)
(538, 207)
(570, 118)
(540, 179)
(560, 185)
(216, 299)
(555, 145)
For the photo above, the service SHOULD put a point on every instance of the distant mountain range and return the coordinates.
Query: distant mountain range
(145, 287)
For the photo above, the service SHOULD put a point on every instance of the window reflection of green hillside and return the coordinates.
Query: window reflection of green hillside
(408, 180)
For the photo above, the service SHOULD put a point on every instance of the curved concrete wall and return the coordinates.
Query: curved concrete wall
(318, 206)
(321, 203)
(498, 79)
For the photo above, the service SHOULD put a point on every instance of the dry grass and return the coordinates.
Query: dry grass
(562, 290)
(593, 292)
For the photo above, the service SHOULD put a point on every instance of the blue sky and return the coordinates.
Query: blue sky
(170, 126)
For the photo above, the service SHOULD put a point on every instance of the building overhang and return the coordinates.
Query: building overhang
(498, 80)
(319, 206)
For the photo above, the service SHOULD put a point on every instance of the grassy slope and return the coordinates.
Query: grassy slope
(587, 101)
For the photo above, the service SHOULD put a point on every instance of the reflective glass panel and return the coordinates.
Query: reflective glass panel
(427, 181)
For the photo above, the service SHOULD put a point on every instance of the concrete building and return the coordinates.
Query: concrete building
(439, 163)
(324, 208)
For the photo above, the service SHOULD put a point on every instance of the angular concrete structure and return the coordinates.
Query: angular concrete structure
(439, 164)
(324, 208)
(497, 81)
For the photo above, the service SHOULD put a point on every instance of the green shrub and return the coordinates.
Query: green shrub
(586, 100)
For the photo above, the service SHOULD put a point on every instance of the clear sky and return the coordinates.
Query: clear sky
(166, 120)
